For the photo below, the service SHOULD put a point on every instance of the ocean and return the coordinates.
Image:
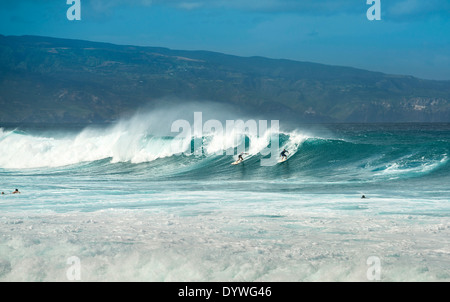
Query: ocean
(126, 202)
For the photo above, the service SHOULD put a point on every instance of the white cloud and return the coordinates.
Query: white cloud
(419, 8)
(190, 5)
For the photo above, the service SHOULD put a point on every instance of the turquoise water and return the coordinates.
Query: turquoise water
(136, 205)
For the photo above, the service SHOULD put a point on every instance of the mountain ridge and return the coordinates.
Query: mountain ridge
(44, 79)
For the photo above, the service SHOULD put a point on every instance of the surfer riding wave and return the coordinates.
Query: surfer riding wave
(283, 154)
(240, 157)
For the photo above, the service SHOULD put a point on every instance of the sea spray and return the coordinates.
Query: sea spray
(142, 138)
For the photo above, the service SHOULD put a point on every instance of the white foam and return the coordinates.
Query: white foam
(296, 139)
(400, 166)
(128, 141)
(226, 240)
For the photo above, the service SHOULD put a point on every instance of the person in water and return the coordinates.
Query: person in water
(283, 154)
(240, 158)
(16, 191)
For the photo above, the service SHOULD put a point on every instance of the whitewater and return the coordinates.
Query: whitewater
(134, 202)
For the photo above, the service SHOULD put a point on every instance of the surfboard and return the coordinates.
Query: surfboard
(282, 160)
(238, 162)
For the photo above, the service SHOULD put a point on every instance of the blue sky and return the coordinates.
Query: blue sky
(412, 37)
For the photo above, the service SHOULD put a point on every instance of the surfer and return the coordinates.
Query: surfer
(283, 154)
(16, 191)
(240, 158)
